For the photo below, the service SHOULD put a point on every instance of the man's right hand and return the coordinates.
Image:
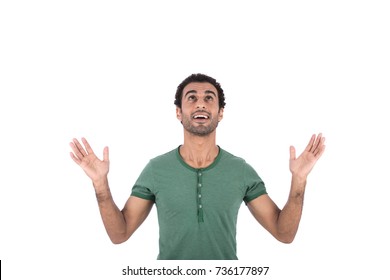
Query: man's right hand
(95, 168)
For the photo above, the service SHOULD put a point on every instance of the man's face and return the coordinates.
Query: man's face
(200, 111)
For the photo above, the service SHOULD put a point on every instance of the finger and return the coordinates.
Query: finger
(292, 153)
(320, 150)
(317, 142)
(76, 151)
(311, 142)
(87, 146)
(105, 154)
(75, 159)
(79, 147)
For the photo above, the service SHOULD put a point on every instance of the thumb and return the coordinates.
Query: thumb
(105, 154)
(292, 153)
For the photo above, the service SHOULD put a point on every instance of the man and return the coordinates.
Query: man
(198, 187)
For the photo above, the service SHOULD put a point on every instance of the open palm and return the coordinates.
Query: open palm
(95, 168)
(302, 165)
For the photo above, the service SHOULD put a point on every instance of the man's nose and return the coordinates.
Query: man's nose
(200, 104)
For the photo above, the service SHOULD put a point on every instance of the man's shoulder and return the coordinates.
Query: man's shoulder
(238, 163)
(228, 156)
(168, 156)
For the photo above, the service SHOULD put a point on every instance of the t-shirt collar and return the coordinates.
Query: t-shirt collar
(214, 163)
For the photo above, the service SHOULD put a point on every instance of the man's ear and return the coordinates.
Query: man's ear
(178, 113)
(220, 114)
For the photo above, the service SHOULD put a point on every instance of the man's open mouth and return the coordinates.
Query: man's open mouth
(200, 117)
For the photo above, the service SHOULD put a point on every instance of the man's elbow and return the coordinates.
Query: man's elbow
(119, 239)
(285, 238)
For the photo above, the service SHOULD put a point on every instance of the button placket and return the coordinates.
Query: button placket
(199, 197)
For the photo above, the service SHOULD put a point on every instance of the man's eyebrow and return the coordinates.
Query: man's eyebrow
(194, 91)
(211, 92)
(190, 91)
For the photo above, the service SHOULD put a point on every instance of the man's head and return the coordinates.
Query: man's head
(199, 78)
(200, 104)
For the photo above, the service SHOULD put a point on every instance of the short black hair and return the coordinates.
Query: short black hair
(200, 78)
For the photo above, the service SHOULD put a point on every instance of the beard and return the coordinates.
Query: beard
(199, 129)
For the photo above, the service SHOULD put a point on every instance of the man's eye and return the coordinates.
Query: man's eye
(209, 98)
(191, 98)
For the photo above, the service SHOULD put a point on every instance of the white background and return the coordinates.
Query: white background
(108, 71)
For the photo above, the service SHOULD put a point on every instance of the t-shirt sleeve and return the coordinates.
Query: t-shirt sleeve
(254, 184)
(144, 186)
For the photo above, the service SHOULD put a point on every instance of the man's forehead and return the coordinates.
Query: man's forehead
(199, 87)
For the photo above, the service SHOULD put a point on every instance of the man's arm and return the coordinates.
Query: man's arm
(120, 225)
(283, 224)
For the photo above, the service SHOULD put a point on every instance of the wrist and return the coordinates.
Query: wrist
(298, 186)
(299, 178)
(102, 190)
(101, 185)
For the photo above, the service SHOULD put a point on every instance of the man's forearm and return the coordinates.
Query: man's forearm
(112, 217)
(290, 216)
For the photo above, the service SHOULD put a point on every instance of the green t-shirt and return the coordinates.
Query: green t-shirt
(197, 208)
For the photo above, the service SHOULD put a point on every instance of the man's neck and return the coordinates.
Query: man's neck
(199, 151)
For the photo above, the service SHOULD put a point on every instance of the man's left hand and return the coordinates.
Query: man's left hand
(302, 165)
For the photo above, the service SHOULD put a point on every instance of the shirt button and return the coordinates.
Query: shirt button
(200, 196)
(200, 206)
(200, 174)
(199, 185)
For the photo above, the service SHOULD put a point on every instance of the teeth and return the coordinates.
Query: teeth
(200, 116)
